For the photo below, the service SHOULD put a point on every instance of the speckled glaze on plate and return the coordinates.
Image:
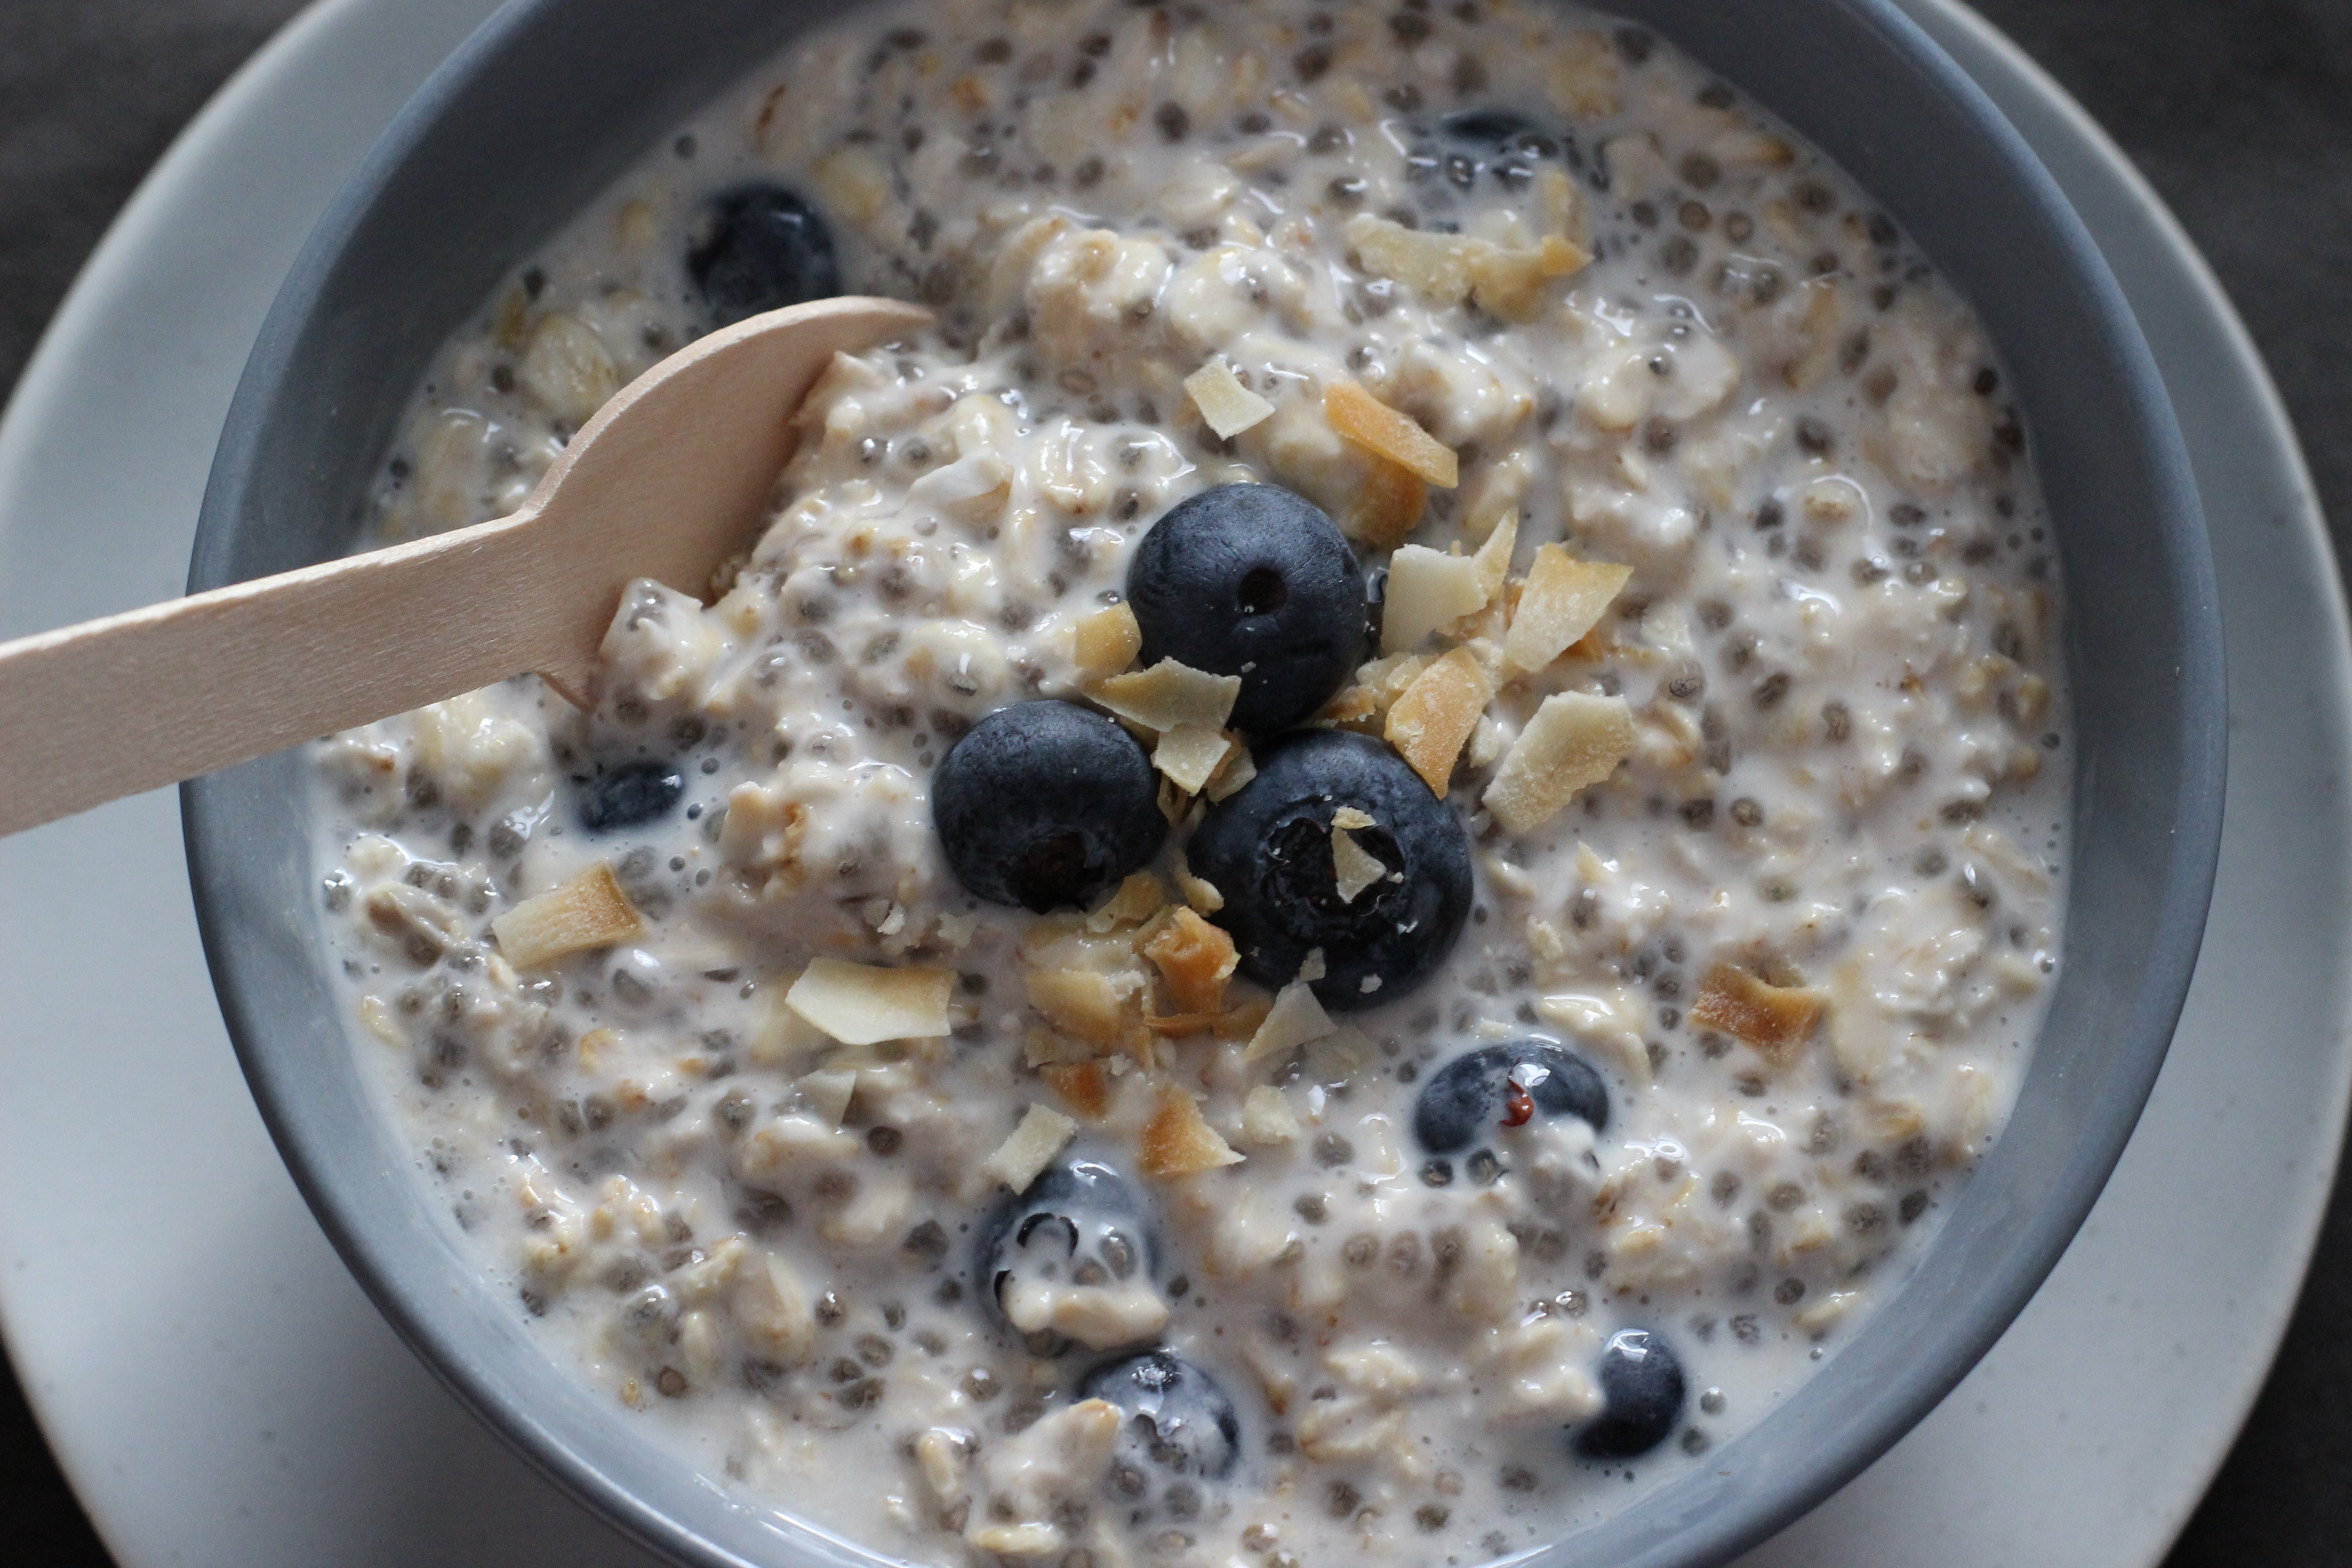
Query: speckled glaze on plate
(201, 1438)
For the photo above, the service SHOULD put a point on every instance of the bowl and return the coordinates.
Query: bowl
(574, 90)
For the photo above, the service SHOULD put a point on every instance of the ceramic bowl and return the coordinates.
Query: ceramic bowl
(569, 92)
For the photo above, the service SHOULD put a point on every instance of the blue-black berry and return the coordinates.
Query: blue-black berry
(762, 248)
(1462, 1102)
(1046, 805)
(629, 794)
(1641, 1390)
(1253, 581)
(1268, 847)
(1178, 1424)
(1081, 1224)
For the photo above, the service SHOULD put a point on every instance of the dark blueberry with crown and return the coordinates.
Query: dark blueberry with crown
(1269, 848)
(1253, 581)
(1462, 1104)
(1046, 805)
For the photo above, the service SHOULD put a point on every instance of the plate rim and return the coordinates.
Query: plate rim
(119, 250)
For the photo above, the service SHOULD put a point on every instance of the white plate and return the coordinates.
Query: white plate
(220, 1392)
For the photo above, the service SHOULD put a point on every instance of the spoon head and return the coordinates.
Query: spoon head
(673, 473)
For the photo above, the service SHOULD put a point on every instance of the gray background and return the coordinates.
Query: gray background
(2240, 111)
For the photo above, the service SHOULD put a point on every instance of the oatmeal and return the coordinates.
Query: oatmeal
(1355, 860)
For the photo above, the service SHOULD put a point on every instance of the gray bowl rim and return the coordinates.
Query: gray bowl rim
(409, 1300)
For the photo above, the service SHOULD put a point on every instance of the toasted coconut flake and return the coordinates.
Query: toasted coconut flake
(1448, 268)
(1084, 1087)
(1226, 405)
(1429, 723)
(1776, 1019)
(1493, 557)
(860, 1004)
(1266, 1117)
(1199, 891)
(590, 911)
(1169, 694)
(1354, 867)
(1388, 507)
(1573, 741)
(828, 1093)
(1043, 1133)
(1563, 599)
(1426, 590)
(1088, 1005)
(1189, 755)
(1107, 642)
(1240, 1020)
(1433, 265)
(1196, 958)
(1238, 768)
(1042, 1048)
(1296, 1018)
(1134, 901)
(1178, 1141)
(1388, 433)
(1353, 820)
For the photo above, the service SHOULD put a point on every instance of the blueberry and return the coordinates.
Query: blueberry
(1253, 581)
(1046, 803)
(629, 794)
(1268, 848)
(1179, 1426)
(1463, 1100)
(1642, 1394)
(1078, 1223)
(1502, 141)
(763, 249)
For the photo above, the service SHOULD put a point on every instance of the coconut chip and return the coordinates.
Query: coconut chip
(1195, 957)
(590, 911)
(1226, 405)
(1043, 1133)
(1169, 694)
(860, 1004)
(1562, 599)
(1084, 1087)
(1775, 1019)
(1448, 268)
(1135, 901)
(1387, 508)
(1354, 867)
(1297, 1017)
(1573, 741)
(1199, 891)
(1238, 768)
(1266, 1117)
(1427, 589)
(1430, 721)
(1191, 754)
(1086, 1005)
(1178, 1140)
(1386, 432)
(828, 1093)
(1107, 642)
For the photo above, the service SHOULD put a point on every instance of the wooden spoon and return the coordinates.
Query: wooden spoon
(670, 476)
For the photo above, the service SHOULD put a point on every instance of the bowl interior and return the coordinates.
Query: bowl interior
(553, 98)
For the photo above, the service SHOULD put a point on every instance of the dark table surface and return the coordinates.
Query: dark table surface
(2240, 111)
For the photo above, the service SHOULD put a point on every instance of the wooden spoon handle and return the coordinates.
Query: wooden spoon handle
(112, 707)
